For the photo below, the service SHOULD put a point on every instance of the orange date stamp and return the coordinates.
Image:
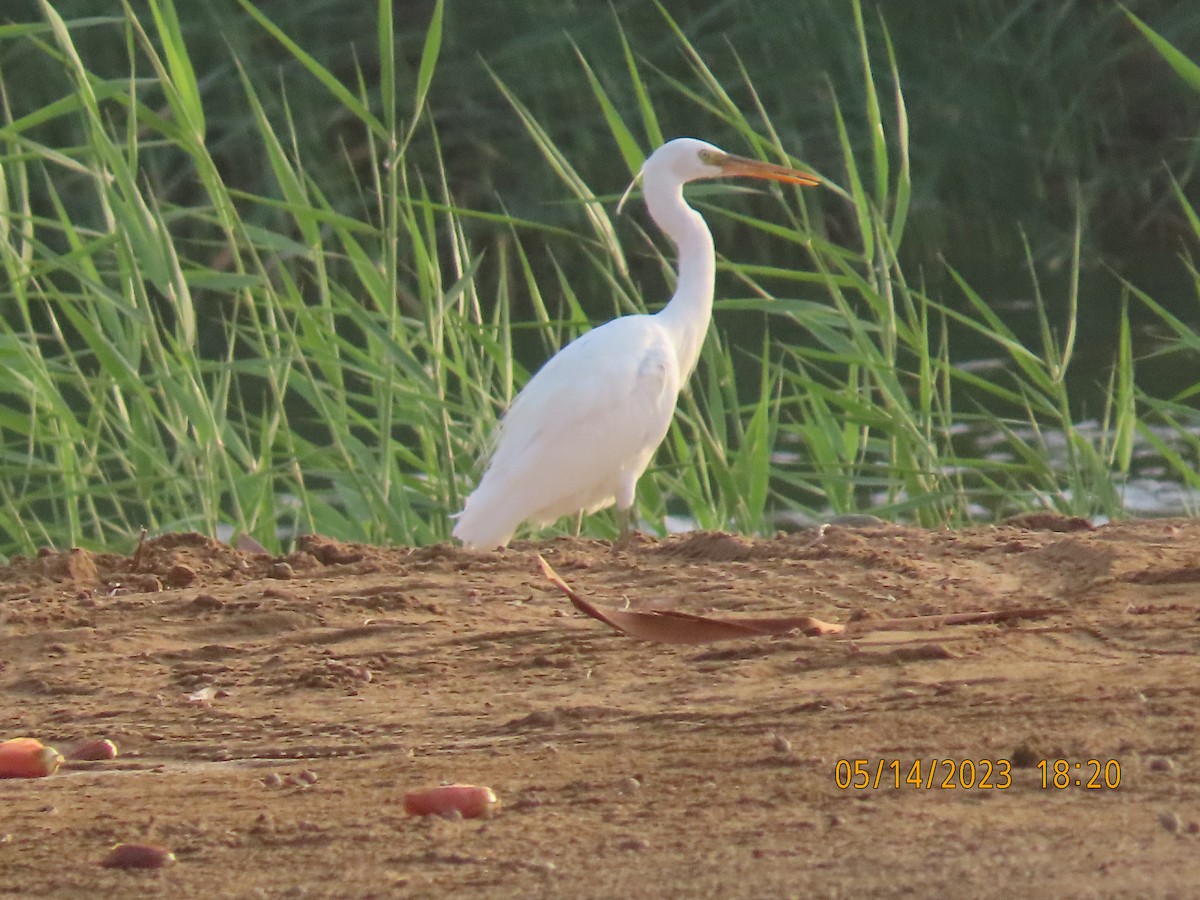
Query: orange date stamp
(924, 774)
(971, 774)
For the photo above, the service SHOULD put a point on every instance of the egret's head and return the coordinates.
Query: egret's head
(683, 160)
(688, 159)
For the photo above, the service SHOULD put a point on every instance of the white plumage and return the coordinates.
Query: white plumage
(585, 427)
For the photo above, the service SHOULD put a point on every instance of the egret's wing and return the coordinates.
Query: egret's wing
(590, 417)
(595, 405)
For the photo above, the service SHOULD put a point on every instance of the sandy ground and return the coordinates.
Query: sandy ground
(328, 683)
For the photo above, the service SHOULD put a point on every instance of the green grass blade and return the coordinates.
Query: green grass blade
(1184, 67)
(339, 91)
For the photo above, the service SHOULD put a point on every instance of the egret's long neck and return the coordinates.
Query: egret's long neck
(688, 314)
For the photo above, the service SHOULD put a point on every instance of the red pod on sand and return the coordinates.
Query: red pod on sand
(28, 758)
(93, 750)
(137, 856)
(468, 800)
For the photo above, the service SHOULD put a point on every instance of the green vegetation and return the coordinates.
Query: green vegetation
(281, 306)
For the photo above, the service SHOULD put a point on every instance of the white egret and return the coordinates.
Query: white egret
(583, 430)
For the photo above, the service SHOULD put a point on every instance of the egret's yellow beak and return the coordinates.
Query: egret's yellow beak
(731, 165)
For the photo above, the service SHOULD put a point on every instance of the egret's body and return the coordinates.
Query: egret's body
(585, 427)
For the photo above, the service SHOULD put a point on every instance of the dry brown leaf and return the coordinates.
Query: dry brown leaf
(674, 627)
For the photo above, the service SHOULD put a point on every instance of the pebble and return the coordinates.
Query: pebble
(1024, 757)
(633, 843)
(1170, 821)
(629, 785)
(137, 856)
(207, 602)
(180, 576)
(1162, 764)
(780, 744)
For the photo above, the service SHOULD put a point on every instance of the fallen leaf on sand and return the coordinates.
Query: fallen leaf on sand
(673, 627)
(668, 626)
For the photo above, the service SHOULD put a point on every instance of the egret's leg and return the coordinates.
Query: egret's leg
(625, 519)
(579, 523)
(626, 491)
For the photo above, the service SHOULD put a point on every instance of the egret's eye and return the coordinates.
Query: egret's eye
(710, 158)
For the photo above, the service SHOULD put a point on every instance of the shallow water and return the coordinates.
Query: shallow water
(1153, 488)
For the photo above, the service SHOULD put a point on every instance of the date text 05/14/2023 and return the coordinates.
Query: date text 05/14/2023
(972, 774)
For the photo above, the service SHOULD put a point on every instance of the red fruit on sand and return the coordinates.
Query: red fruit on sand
(468, 800)
(28, 758)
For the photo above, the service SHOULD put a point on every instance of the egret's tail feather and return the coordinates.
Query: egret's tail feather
(478, 532)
